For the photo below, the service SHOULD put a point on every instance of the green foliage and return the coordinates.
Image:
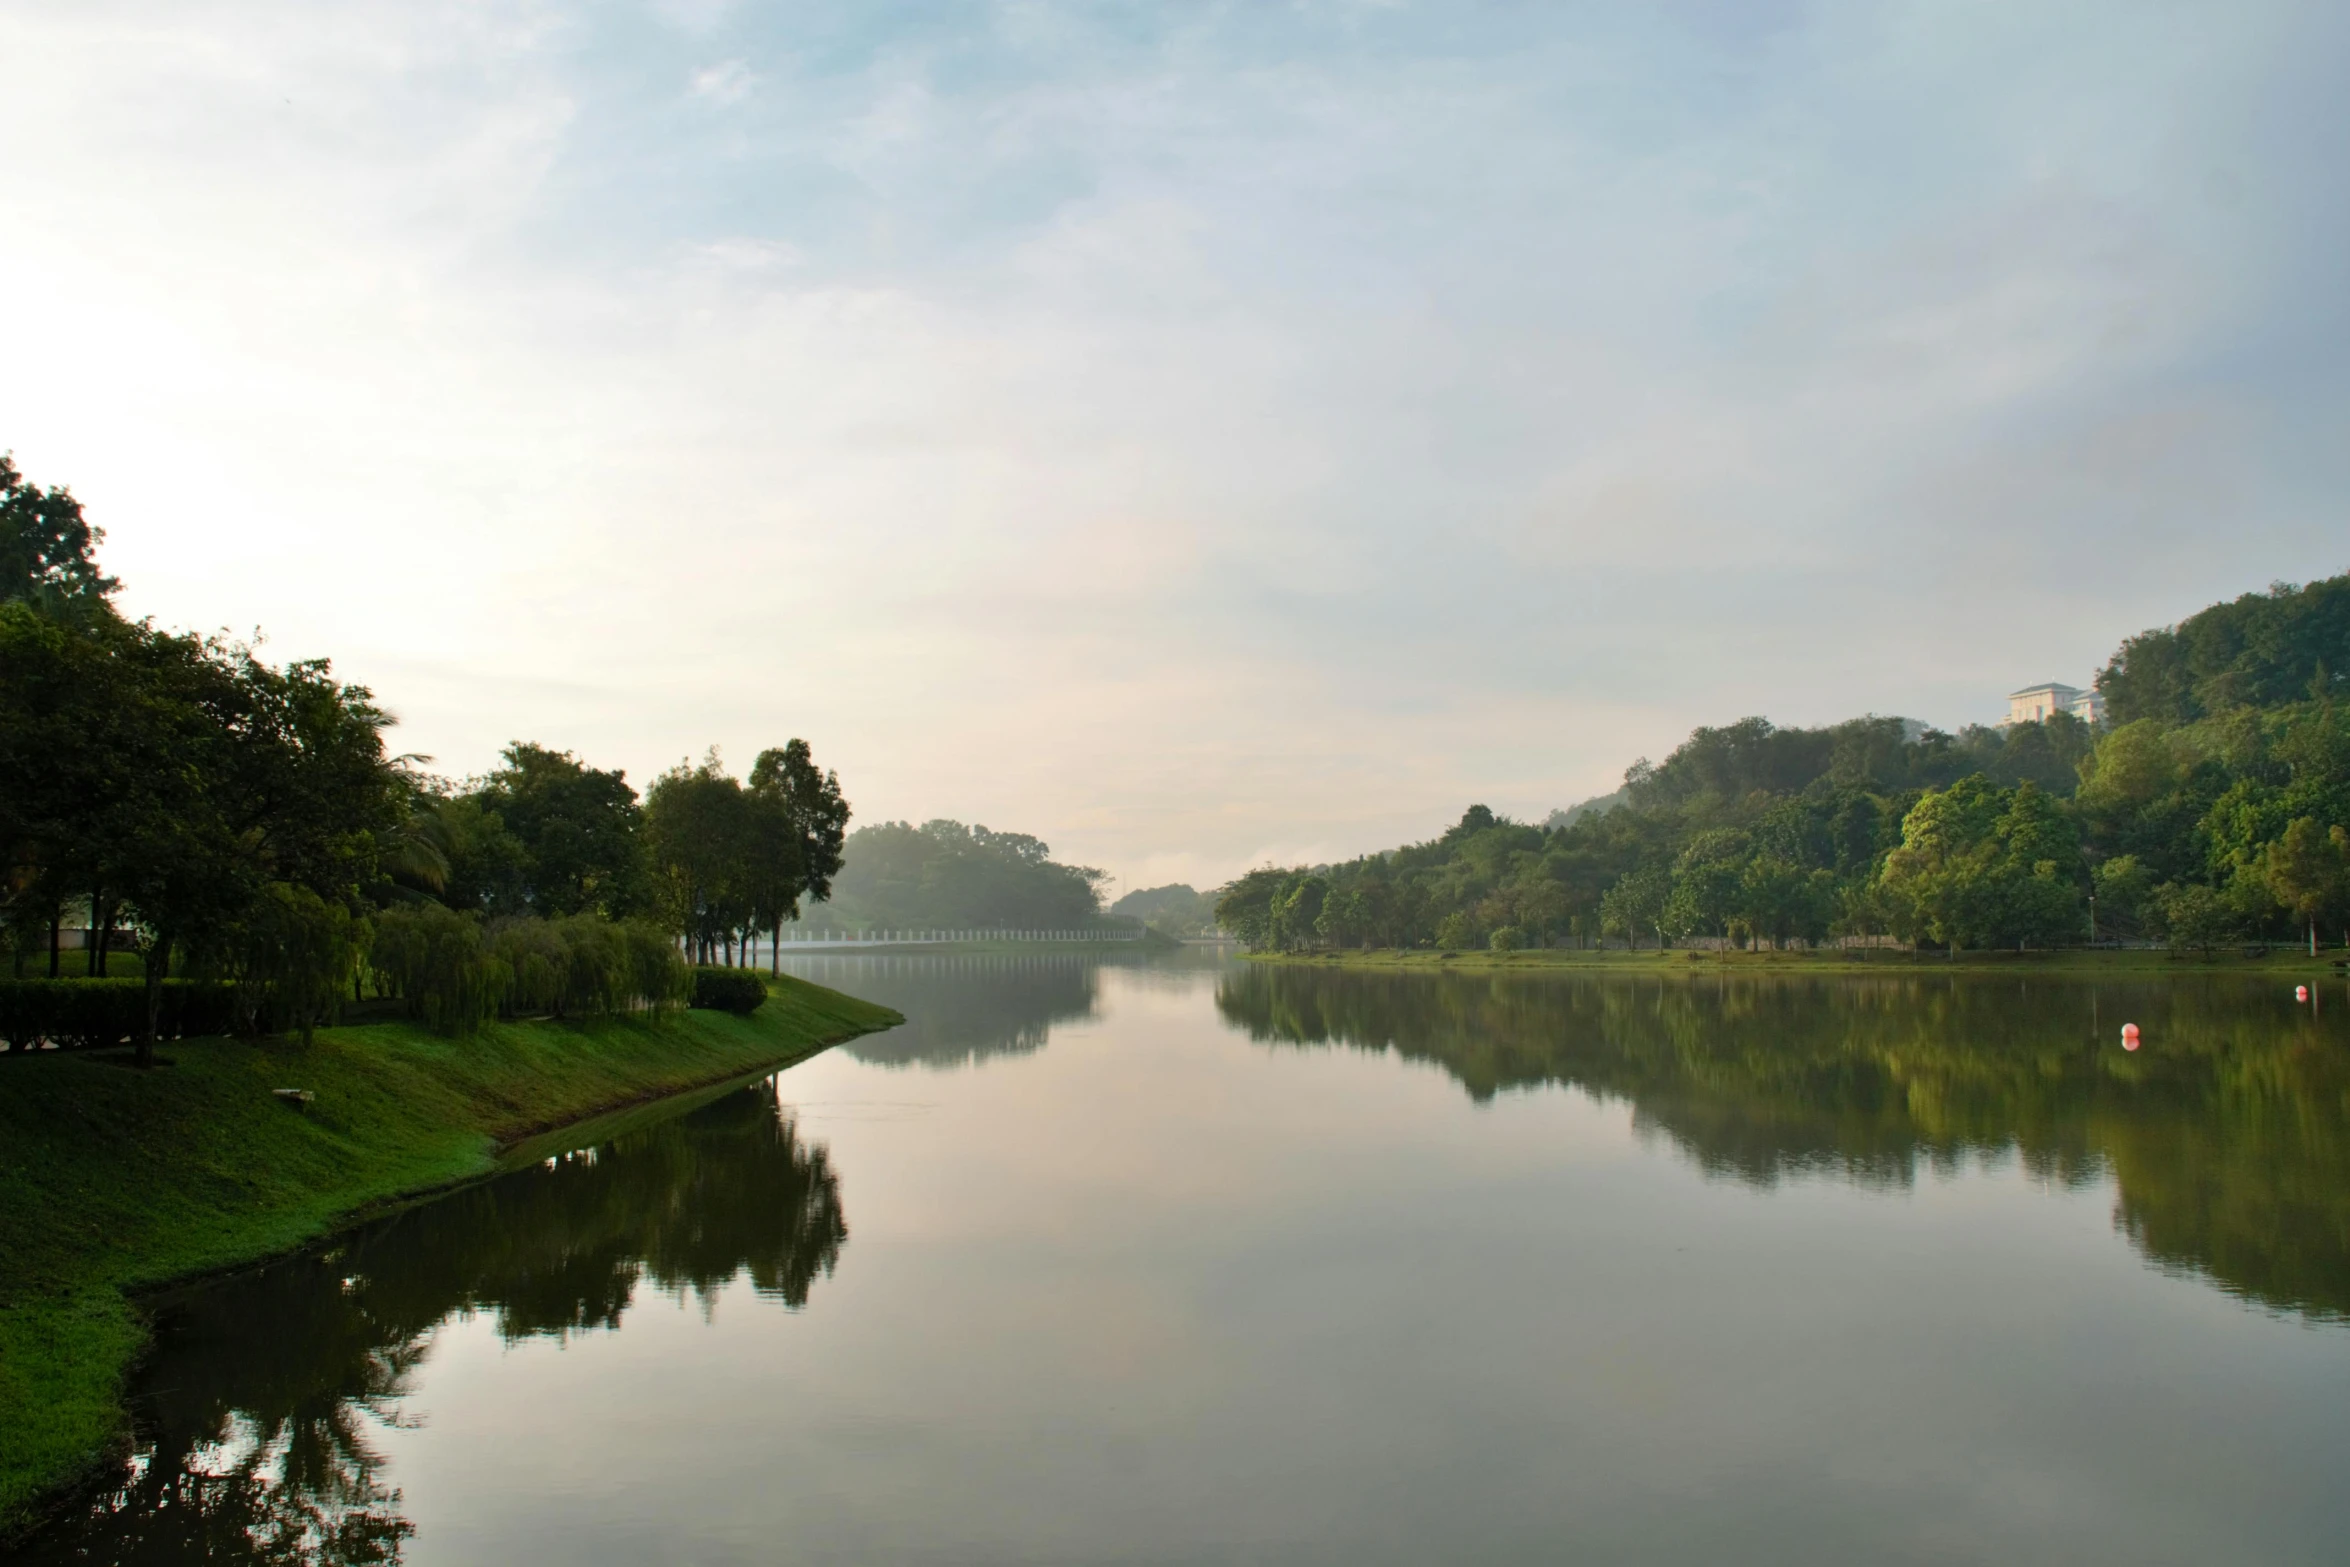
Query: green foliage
(435, 960)
(2195, 916)
(565, 839)
(2307, 871)
(295, 957)
(2208, 813)
(2125, 895)
(80, 1013)
(2261, 650)
(727, 990)
(47, 548)
(946, 875)
(455, 971)
(1984, 866)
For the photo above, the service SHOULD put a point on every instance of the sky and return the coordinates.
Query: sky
(1197, 434)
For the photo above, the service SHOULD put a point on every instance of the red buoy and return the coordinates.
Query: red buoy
(2129, 1036)
(2300, 992)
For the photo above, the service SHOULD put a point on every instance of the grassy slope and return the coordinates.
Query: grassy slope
(2137, 964)
(112, 1179)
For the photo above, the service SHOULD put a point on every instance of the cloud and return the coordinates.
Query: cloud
(728, 82)
(1191, 436)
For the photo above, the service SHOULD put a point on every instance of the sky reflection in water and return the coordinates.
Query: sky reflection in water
(1211, 1262)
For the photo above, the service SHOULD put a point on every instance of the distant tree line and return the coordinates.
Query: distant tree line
(2215, 807)
(244, 821)
(1177, 909)
(944, 875)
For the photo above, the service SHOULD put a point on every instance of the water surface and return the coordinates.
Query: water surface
(1217, 1263)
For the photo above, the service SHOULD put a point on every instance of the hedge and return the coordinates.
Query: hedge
(77, 1014)
(728, 990)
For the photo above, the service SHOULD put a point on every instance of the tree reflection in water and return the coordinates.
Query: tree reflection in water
(255, 1412)
(2227, 1138)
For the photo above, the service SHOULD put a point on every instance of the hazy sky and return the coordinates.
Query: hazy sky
(1192, 433)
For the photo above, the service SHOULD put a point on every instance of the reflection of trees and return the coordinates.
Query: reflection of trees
(254, 1413)
(960, 1008)
(2228, 1137)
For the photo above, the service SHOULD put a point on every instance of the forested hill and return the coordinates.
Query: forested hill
(2262, 650)
(2214, 804)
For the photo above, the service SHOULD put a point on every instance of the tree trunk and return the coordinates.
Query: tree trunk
(158, 964)
(56, 940)
(775, 952)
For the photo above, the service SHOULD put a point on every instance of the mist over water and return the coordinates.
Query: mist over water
(1210, 1261)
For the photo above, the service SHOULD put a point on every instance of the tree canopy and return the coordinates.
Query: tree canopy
(246, 818)
(2208, 810)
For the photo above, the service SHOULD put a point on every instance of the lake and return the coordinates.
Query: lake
(1201, 1261)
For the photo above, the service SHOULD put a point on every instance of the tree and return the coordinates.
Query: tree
(1245, 907)
(47, 548)
(802, 826)
(1981, 866)
(2308, 871)
(2196, 916)
(1705, 892)
(698, 828)
(296, 954)
(577, 829)
(1636, 903)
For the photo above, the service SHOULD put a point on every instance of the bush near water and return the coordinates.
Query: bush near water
(727, 990)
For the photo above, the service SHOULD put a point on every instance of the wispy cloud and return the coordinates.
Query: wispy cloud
(729, 81)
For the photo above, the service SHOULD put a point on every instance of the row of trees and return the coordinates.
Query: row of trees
(2233, 821)
(705, 854)
(245, 820)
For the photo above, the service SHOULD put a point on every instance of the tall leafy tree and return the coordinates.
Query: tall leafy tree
(800, 825)
(48, 548)
(699, 828)
(576, 828)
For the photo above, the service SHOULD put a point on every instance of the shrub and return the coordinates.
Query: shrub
(80, 1013)
(1507, 939)
(658, 975)
(295, 956)
(434, 959)
(728, 990)
(454, 972)
(537, 965)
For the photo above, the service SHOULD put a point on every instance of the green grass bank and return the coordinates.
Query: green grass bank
(114, 1180)
(2133, 964)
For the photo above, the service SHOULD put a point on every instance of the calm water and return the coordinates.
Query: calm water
(1209, 1263)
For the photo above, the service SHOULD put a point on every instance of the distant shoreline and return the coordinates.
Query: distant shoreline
(2139, 963)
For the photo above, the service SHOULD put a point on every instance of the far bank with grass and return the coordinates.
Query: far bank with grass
(114, 1180)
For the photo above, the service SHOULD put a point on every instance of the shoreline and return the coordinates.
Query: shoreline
(2134, 963)
(116, 1185)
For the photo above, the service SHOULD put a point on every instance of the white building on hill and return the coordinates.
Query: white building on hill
(2033, 703)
